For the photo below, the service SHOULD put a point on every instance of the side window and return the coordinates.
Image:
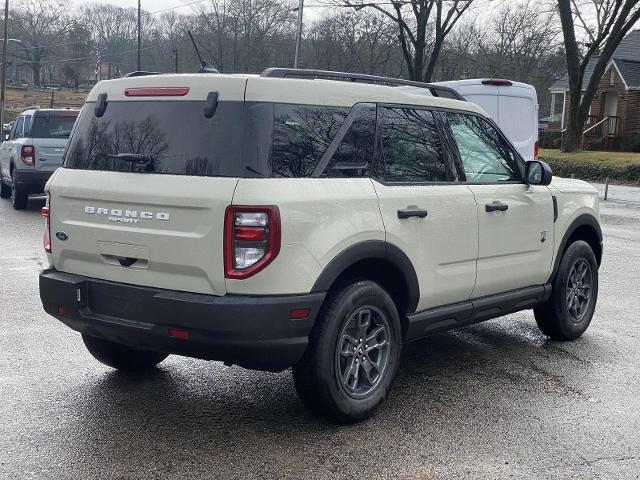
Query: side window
(27, 126)
(353, 156)
(410, 148)
(17, 128)
(485, 156)
(301, 135)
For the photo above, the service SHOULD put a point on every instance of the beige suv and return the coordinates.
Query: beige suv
(306, 219)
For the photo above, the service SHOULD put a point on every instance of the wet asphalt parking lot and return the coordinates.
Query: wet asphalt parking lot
(495, 400)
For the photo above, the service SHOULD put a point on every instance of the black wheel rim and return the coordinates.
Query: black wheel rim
(362, 352)
(579, 289)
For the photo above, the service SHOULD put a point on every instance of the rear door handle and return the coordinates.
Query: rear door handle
(496, 207)
(412, 212)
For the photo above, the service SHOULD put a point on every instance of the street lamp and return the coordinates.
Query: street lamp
(298, 33)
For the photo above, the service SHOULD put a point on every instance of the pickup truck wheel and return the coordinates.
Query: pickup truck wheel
(568, 312)
(353, 354)
(5, 190)
(19, 197)
(122, 357)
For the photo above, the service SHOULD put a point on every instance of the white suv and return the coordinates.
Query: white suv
(294, 219)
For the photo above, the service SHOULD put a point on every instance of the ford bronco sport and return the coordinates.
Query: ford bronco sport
(293, 219)
(33, 151)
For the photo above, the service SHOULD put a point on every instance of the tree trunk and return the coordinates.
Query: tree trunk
(35, 67)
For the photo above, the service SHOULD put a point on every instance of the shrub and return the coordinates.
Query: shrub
(594, 171)
(549, 139)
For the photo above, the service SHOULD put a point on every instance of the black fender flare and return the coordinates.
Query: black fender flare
(371, 249)
(585, 219)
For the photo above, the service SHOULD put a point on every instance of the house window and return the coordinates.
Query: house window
(612, 77)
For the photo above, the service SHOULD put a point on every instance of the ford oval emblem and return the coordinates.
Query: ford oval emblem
(62, 235)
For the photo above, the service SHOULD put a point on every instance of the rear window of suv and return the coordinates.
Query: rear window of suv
(159, 137)
(52, 124)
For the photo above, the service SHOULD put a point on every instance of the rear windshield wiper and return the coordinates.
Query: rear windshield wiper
(132, 157)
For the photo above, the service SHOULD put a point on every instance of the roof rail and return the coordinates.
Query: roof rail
(140, 73)
(436, 90)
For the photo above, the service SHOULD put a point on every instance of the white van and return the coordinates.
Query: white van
(513, 105)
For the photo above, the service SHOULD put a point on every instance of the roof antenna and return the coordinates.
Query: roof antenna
(204, 66)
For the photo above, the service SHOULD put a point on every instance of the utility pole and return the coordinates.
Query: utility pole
(139, 68)
(175, 54)
(298, 33)
(3, 87)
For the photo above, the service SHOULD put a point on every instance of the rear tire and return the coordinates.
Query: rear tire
(19, 196)
(5, 190)
(122, 357)
(353, 354)
(568, 312)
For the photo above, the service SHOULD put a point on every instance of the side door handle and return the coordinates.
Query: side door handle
(496, 207)
(412, 212)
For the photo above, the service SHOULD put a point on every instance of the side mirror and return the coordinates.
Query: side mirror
(538, 173)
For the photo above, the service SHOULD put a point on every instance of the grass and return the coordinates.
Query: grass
(20, 98)
(614, 159)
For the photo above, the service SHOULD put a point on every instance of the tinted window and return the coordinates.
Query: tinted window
(160, 137)
(53, 125)
(301, 135)
(410, 147)
(485, 156)
(27, 126)
(353, 156)
(17, 128)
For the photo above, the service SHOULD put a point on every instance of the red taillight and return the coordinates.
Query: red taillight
(178, 333)
(46, 238)
(536, 151)
(299, 313)
(498, 82)
(28, 155)
(156, 92)
(251, 239)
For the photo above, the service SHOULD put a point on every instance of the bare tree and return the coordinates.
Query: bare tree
(39, 25)
(422, 27)
(605, 23)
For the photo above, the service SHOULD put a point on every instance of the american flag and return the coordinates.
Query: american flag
(98, 61)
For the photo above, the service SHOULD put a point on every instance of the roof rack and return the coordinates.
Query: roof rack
(140, 73)
(436, 90)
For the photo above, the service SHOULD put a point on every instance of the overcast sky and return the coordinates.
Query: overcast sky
(183, 6)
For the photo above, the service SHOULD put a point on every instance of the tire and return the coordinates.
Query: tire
(19, 197)
(338, 349)
(5, 190)
(568, 312)
(122, 357)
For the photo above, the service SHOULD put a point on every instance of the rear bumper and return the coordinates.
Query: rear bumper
(32, 181)
(251, 331)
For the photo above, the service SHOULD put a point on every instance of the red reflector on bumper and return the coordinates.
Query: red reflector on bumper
(63, 311)
(179, 334)
(299, 313)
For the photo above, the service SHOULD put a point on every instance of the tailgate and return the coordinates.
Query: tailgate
(49, 152)
(162, 231)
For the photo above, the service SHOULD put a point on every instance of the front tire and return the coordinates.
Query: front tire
(353, 354)
(122, 357)
(19, 196)
(568, 312)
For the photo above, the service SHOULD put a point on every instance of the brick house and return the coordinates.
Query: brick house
(614, 116)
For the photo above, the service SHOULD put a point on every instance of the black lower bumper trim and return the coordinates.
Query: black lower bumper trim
(33, 181)
(251, 331)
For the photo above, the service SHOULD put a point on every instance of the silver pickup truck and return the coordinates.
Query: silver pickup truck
(33, 151)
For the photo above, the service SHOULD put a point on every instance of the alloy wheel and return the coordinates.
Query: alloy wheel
(362, 352)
